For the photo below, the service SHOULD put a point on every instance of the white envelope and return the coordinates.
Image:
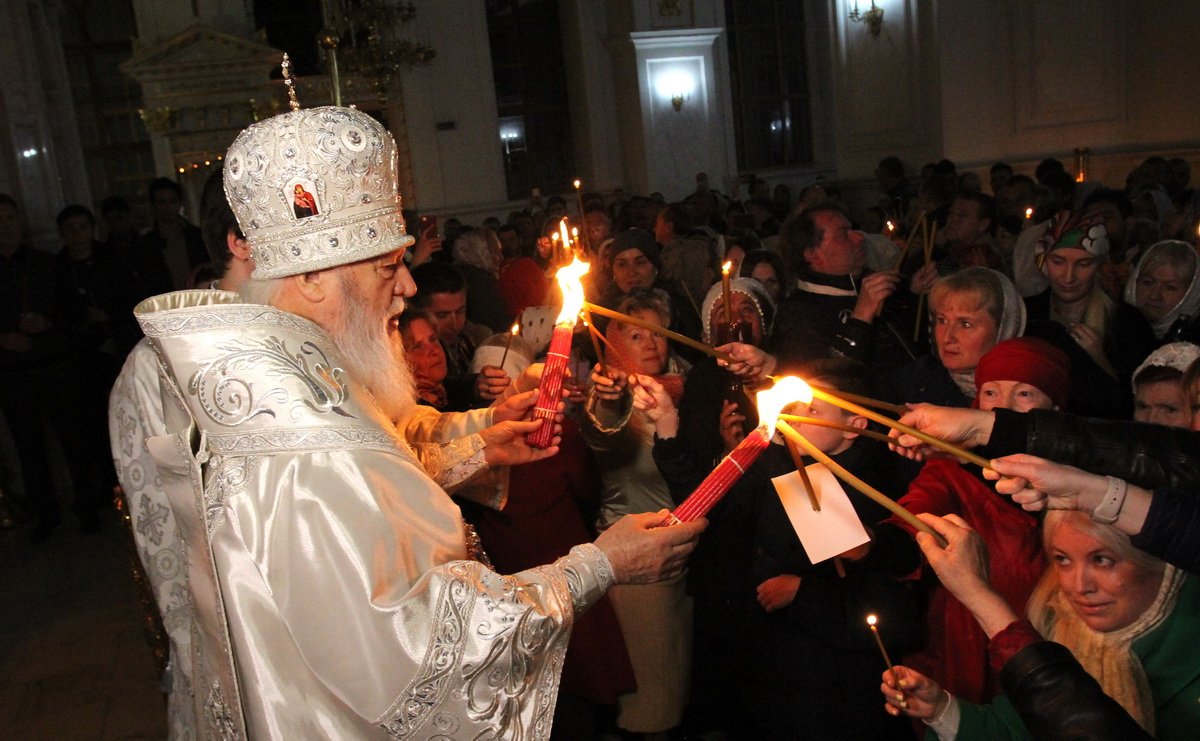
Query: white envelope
(825, 534)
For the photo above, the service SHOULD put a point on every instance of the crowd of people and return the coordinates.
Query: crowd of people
(1063, 600)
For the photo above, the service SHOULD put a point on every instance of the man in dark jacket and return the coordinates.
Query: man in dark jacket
(835, 306)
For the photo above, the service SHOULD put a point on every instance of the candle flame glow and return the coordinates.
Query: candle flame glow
(771, 401)
(566, 238)
(727, 267)
(1029, 213)
(577, 184)
(568, 277)
(871, 620)
(516, 328)
(891, 225)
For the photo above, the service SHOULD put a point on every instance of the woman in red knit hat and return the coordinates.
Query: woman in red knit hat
(1020, 374)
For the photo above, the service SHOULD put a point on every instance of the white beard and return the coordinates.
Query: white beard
(373, 354)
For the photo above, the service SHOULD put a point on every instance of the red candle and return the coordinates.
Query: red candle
(770, 403)
(550, 388)
(717, 483)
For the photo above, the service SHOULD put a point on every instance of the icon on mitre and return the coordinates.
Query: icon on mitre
(304, 203)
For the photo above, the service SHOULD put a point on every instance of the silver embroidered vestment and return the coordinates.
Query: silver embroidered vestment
(349, 604)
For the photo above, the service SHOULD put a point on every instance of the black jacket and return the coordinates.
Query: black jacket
(1164, 459)
(1058, 700)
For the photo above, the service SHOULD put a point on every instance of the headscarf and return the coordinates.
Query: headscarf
(1011, 323)
(749, 288)
(1079, 229)
(1188, 306)
(1177, 355)
(472, 249)
(1028, 360)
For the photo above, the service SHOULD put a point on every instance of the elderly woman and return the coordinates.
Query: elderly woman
(971, 311)
(1020, 374)
(1165, 287)
(1129, 619)
(656, 618)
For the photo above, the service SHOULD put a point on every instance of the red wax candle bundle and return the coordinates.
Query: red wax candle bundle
(718, 483)
(771, 403)
(550, 388)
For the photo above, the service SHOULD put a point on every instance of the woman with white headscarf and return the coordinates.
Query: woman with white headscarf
(970, 312)
(1165, 287)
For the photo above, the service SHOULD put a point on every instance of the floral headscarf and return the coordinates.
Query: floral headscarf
(1078, 229)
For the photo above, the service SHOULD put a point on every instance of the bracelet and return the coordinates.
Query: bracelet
(942, 715)
(1109, 509)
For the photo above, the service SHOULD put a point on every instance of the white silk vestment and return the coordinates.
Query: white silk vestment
(333, 594)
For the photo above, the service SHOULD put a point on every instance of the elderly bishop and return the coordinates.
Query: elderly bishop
(336, 592)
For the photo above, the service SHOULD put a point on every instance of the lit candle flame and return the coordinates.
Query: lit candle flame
(727, 267)
(871, 620)
(568, 277)
(891, 226)
(554, 237)
(566, 238)
(772, 401)
(516, 328)
(577, 183)
(1029, 213)
(574, 233)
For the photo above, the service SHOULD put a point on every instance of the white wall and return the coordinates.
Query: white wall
(1019, 81)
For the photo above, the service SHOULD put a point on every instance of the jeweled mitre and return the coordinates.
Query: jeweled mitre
(314, 189)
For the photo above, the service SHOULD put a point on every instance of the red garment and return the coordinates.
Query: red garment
(541, 521)
(956, 650)
(522, 284)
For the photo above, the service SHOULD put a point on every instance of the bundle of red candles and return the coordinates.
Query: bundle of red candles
(770, 403)
(550, 388)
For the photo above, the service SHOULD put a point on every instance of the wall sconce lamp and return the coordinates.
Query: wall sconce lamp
(873, 17)
(676, 86)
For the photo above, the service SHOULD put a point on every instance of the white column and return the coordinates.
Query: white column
(683, 83)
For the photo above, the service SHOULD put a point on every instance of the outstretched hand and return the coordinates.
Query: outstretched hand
(962, 567)
(609, 383)
(1038, 484)
(747, 361)
(966, 427)
(641, 552)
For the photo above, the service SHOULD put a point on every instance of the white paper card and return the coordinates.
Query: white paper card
(825, 534)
